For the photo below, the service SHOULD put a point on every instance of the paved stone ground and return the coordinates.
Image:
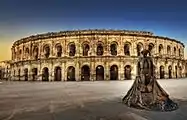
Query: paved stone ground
(99, 100)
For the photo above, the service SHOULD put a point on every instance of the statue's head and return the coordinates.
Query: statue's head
(145, 53)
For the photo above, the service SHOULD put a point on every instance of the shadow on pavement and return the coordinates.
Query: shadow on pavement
(101, 110)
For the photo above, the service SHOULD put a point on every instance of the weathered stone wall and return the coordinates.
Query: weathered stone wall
(23, 55)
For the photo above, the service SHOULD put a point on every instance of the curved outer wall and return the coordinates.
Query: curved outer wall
(93, 55)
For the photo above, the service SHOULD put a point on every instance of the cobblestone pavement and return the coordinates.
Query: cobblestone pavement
(99, 100)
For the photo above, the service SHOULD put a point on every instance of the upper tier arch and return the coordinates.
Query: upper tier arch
(91, 32)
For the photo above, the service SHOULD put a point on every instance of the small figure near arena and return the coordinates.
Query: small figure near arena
(145, 92)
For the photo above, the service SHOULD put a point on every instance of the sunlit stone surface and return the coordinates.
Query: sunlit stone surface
(82, 101)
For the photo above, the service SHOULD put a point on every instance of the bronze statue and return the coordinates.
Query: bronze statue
(145, 92)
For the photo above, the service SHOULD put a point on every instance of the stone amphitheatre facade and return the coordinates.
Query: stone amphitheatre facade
(90, 55)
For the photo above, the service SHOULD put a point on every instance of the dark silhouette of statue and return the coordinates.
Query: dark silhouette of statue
(145, 92)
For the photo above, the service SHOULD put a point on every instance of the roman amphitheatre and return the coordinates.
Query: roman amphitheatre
(91, 55)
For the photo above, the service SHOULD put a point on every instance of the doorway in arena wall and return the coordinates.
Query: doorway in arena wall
(99, 72)
(45, 74)
(26, 74)
(58, 74)
(34, 74)
(71, 74)
(127, 72)
(85, 73)
(114, 72)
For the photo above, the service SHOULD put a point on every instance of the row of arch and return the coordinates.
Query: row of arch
(170, 71)
(99, 50)
(100, 71)
(85, 73)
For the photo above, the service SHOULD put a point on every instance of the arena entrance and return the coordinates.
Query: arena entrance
(127, 72)
(176, 75)
(180, 72)
(45, 74)
(0, 74)
(170, 72)
(85, 73)
(162, 73)
(26, 74)
(114, 72)
(71, 74)
(99, 72)
(186, 70)
(19, 72)
(58, 74)
(34, 74)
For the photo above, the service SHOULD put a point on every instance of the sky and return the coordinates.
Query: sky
(22, 18)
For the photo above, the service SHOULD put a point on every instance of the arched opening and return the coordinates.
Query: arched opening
(162, 72)
(86, 48)
(127, 49)
(174, 50)
(59, 50)
(71, 73)
(46, 51)
(58, 74)
(127, 72)
(45, 74)
(34, 74)
(99, 72)
(19, 76)
(20, 52)
(114, 72)
(35, 52)
(26, 74)
(113, 49)
(186, 70)
(180, 72)
(139, 48)
(176, 72)
(85, 73)
(99, 49)
(170, 72)
(179, 52)
(168, 50)
(0, 74)
(72, 49)
(150, 47)
(27, 52)
(160, 49)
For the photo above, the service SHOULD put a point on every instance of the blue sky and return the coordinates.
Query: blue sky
(20, 18)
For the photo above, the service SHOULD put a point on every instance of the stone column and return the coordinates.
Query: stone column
(77, 71)
(166, 75)
(92, 71)
(30, 72)
(51, 72)
(63, 71)
(107, 71)
(40, 68)
(133, 49)
(121, 71)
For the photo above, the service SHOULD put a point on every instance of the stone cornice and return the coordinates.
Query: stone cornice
(91, 32)
(63, 59)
